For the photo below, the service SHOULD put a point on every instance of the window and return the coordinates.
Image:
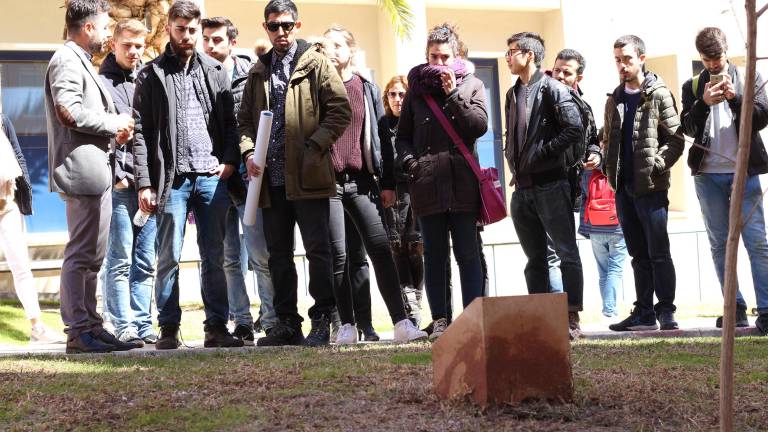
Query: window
(489, 146)
(23, 102)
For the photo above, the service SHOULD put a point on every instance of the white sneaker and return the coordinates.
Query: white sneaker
(41, 335)
(405, 331)
(347, 335)
(438, 328)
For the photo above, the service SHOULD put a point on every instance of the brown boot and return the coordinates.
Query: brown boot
(574, 329)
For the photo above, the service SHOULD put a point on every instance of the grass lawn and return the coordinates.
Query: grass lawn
(620, 386)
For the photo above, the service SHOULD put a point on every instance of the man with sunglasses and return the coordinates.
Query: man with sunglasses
(310, 111)
(543, 122)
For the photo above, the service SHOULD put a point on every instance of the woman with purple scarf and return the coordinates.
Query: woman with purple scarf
(444, 190)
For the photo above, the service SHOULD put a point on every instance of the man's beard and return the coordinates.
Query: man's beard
(96, 47)
(184, 53)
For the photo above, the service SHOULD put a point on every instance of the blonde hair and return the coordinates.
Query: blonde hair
(133, 26)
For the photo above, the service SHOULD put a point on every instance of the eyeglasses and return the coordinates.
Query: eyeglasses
(513, 51)
(286, 26)
(394, 94)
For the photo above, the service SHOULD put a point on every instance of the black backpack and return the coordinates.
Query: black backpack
(578, 149)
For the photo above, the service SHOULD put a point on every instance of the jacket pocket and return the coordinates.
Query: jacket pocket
(316, 169)
(423, 187)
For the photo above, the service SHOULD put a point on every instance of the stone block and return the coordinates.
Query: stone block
(506, 350)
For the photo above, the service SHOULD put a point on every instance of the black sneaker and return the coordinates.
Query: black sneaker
(368, 333)
(169, 337)
(636, 322)
(217, 336)
(244, 333)
(108, 338)
(281, 335)
(667, 321)
(320, 334)
(762, 323)
(741, 318)
(150, 338)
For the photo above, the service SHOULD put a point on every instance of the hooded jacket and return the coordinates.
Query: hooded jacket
(316, 113)
(154, 105)
(120, 84)
(657, 138)
(696, 120)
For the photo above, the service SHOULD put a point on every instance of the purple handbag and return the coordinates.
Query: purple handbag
(492, 205)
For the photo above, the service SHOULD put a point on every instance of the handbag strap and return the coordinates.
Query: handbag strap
(453, 135)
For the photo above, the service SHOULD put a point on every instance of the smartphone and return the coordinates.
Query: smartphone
(715, 80)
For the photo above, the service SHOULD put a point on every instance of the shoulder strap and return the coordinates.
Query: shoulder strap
(453, 135)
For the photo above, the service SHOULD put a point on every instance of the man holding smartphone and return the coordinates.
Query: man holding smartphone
(711, 115)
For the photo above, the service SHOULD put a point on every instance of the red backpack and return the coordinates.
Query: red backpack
(600, 209)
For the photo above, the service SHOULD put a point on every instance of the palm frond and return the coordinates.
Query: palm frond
(400, 14)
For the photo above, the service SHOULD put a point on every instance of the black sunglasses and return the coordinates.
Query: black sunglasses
(286, 25)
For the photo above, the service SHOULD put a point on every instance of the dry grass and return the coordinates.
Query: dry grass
(645, 385)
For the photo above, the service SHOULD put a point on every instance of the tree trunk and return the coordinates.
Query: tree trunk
(735, 225)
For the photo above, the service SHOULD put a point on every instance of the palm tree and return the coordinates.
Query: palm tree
(400, 14)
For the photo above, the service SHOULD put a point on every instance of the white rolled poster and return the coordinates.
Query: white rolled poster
(260, 159)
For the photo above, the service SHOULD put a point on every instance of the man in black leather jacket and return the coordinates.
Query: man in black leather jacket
(543, 122)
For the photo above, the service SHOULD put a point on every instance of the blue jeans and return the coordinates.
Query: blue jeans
(714, 193)
(462, 228)
(610, 251)
(543, 211)
(258, 259)
(237, 292)
(644, 222)
(208, 199)
(130, 266)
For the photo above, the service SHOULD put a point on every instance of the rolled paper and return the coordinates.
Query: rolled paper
(260, 159)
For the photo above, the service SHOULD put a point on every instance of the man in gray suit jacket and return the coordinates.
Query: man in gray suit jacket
(82, 122)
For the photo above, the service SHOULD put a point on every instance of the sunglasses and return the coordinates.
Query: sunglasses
(286, 26)
(394, 94)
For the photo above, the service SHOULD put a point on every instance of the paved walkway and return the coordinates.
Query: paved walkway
(699, 327)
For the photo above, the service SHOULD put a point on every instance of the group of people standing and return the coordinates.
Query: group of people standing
(134, 148)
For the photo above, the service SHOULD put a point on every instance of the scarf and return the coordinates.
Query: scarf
(9, 171)
(425, 78)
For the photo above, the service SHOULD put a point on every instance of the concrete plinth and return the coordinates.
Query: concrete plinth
(506, 350)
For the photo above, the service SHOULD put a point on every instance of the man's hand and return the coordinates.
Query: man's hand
(387, 198)
(124, 136)
(729, 91)
(147, 200)
(223, 171)
(593, 160)
(714, 94)
(449, 80)
(253, 169)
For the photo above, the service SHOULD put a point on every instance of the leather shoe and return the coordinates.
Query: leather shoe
(86, 343)
(109, 338)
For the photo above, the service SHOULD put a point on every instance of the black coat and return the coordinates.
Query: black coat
(554, 124)
(23, 194)
(695, 120)
(154, 149)
(444, 181)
